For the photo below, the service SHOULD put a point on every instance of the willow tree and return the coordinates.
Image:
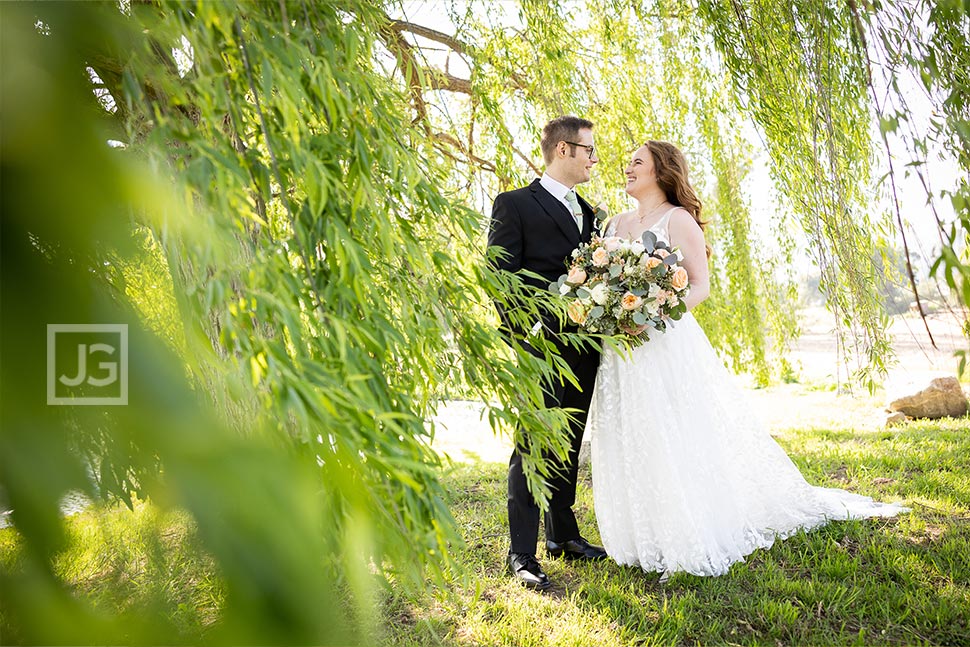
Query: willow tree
(695, 73)
(288, 223)
(297, 285)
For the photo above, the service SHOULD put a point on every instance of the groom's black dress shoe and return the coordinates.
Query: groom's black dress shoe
(526, 569)
(577, 548)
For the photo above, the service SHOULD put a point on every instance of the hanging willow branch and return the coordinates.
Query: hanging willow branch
(862, 50)
(812, 108)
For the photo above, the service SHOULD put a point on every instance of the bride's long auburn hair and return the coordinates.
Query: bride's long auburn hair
(670, 167)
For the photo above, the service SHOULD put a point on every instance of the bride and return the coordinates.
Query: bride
(684, 478)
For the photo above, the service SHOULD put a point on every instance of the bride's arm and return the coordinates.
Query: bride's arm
(686, 234)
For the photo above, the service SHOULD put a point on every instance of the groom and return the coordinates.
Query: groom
(538, 226)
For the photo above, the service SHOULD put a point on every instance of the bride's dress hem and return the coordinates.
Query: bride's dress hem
(715, 570)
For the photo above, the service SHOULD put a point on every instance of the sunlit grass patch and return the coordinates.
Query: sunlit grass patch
(125, 561)
(903, 580)
(897, 581)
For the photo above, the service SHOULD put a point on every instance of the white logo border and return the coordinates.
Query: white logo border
(52, 398)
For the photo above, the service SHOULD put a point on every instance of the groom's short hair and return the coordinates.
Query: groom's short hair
(561, 129)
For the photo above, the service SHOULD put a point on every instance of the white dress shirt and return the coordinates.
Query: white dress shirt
(559, 191)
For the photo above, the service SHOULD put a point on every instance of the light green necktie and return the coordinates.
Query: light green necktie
(575, 209)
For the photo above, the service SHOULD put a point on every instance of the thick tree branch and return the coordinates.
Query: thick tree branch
(444, 81)
(452, 141)
(403, 50)
(453, 43)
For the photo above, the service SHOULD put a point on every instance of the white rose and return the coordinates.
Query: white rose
(600, 293)
(637, 247)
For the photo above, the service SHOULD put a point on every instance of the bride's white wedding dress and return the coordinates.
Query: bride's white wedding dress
(685, 478)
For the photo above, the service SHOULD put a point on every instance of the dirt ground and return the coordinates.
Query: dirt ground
(821, 398)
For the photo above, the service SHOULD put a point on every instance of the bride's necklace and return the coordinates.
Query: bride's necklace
(650, 212)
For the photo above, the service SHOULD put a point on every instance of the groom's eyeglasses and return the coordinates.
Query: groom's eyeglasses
(589, 149)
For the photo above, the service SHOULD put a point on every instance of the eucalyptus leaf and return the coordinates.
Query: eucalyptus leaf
(649, 240)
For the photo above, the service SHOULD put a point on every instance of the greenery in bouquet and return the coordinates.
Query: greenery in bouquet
(622, 287)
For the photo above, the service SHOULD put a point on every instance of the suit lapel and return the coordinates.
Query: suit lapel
(557, 211)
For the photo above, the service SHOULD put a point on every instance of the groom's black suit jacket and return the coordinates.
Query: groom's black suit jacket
(538, 233)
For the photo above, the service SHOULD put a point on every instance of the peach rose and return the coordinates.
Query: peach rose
(601, 257)
(679, 280)
(661, 252)
(612, 243)
(576, 276)
(630, 301)
(577, 312)
(662, 297)
(652, 262)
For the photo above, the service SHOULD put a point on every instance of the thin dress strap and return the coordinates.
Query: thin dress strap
(660, 227)
(665, 217)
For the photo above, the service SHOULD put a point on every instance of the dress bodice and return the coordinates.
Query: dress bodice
(659, 228)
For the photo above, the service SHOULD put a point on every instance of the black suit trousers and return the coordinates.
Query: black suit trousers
(560, 521)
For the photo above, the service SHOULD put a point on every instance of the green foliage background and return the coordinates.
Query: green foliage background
(291, 232)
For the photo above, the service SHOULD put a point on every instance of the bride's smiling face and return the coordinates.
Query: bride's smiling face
(640, 173)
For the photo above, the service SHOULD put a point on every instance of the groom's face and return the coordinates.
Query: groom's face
(577, 161)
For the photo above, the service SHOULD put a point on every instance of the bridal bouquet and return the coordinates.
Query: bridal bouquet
(616, 286)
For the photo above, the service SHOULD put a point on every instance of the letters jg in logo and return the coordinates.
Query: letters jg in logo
(87, 364)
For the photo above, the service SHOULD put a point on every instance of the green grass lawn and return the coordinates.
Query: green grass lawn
(896, 581)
